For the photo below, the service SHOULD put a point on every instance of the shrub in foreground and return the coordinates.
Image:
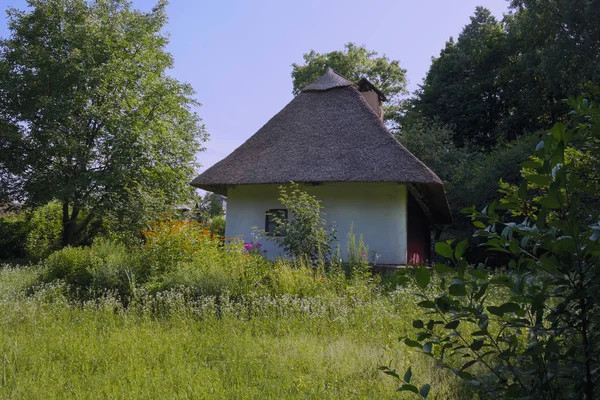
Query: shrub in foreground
(183, 255)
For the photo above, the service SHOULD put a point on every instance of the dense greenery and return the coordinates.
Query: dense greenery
(543, 342)
(355, 62)
(501, 79)
(89, 116)
(305, 234)
(324, 346)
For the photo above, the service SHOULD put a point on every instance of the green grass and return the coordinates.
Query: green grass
(258, 347)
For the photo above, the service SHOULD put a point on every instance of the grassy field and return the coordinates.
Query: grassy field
(261, 347)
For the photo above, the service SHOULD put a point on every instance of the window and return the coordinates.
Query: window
(271, 217)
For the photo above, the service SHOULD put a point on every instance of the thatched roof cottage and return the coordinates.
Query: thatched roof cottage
(331, 137)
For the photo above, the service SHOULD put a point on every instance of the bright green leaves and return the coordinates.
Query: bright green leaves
(459, 251)
(422, 277)
(103, 127)
(524, 328)
(444, 249)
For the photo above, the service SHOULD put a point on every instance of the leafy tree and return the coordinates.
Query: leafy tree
(305, 234)
(431, 142)
(462, 88)
(502, 79)
(355, 62)
(89, 115)
(559, 41)
(210, 206)
(543, 340)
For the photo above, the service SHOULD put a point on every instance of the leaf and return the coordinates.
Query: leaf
(510, 307)
(460, 249)
(479, 274)
(443, 269)
(427, 347)
(410, 388)
(443, 249)
(468, 364)
(424, 391)
(392, 372)
(402, 280)
(540, 180)
(453, 324)
(408, 375)
(426, 304)
(477, 344)
(457, 288)
(464, 375)
(479, 224)
(418, 324)
(412, 343)
(495, 310)
(423, 276)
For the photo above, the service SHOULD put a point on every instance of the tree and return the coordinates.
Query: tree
(541, 340)
(431, 142)
(210, 205)
(355, 62)
(462, 88)
(89, 115)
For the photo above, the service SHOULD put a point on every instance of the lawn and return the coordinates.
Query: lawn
(258, 347)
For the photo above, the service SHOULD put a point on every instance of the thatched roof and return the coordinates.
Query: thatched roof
(327, 133)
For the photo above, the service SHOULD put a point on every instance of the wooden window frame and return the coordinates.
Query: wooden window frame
(273, 211)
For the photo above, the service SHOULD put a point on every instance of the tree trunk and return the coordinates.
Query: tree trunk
(69, 225)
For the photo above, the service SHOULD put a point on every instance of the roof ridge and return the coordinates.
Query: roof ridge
(329, 80)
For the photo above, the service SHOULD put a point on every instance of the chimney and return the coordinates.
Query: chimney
(372, 95)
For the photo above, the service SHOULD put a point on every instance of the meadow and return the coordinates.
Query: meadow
(168, 346)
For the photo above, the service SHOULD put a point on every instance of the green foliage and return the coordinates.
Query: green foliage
(45, 231)
(476, 180)
(209, 206)
(502, 79)
(355, 62)
(13, 233)
(217, 225)
(432, 143)
(358, 263)
(283, 346)
(104, 267)
(305, 234)
(89, 115)
(461, 88)
(541, 340)
(178, 255)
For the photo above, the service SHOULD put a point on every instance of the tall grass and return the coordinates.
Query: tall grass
(178, 344)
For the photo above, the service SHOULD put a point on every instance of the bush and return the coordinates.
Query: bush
(45, 231)
(305, 234)
(217, 226)
(179, 255)
(542, 341)
(13, 234)
(105, 266)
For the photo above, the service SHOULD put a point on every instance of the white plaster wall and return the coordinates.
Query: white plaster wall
(377, 210)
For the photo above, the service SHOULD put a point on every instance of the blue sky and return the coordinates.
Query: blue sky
(238, 54)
